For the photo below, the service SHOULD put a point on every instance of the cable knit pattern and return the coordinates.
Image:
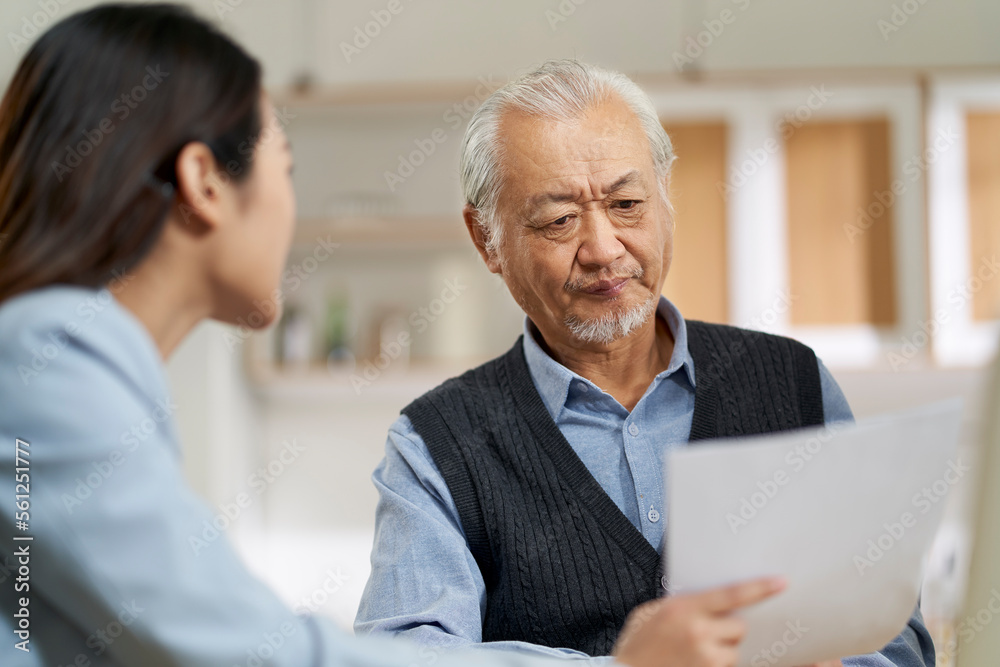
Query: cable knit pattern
(562, 565)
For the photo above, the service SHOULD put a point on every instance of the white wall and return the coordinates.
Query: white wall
(456, 40)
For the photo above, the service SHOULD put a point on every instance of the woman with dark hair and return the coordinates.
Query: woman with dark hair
(144, 186)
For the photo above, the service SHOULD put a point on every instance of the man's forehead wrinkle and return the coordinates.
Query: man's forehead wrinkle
(582, 180)
(537, 162)
(577, 160)
(550, 135)
(603, 175)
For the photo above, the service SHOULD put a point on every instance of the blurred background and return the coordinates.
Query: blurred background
(838, 181)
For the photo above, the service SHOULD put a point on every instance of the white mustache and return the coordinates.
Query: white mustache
(582, 283)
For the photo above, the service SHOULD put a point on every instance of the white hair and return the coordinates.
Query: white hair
(557, 90)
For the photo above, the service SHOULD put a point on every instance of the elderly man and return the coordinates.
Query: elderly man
(522, 503)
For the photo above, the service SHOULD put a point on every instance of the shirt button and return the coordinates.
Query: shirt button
(653, 515)
(633, 429)
(584, 388)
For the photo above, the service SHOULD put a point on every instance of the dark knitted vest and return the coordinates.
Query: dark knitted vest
(563, 565)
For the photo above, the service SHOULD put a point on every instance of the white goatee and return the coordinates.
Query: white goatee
(613, 326)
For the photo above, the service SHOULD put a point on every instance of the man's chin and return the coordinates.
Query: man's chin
(614, 322)
(596, 308)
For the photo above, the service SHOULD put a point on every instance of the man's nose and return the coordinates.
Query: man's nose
(599, 245)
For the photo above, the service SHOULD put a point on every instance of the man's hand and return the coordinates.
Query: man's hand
(696, 630)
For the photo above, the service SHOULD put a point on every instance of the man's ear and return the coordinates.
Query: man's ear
(667, 202)
(478, 235)
(199, 188)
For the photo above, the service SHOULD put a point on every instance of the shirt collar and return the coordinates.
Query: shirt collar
(552, 379)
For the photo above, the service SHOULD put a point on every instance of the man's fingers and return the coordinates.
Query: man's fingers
(723, 600)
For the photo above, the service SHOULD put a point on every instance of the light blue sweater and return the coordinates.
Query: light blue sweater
(111, 575)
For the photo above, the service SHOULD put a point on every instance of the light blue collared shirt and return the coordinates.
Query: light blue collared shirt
(425, 583)
(125, 565)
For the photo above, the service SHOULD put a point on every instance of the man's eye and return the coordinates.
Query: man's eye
(628, 203)
(561, 221)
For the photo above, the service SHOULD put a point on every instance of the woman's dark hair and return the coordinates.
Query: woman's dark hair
(90, 130)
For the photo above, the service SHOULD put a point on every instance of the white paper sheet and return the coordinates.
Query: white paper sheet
(846, 514)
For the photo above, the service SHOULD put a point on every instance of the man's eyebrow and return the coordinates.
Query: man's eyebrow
(552, 198)
(627, 179)
(560, 197)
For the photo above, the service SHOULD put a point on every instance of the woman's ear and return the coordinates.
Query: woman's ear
(200, 187)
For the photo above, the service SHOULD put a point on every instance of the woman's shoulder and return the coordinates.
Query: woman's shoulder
(55, 310)
(69, 354)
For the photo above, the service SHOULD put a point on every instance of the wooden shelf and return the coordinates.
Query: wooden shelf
(317, 384)
(323, 97)
(333, 96)
(410, 231)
